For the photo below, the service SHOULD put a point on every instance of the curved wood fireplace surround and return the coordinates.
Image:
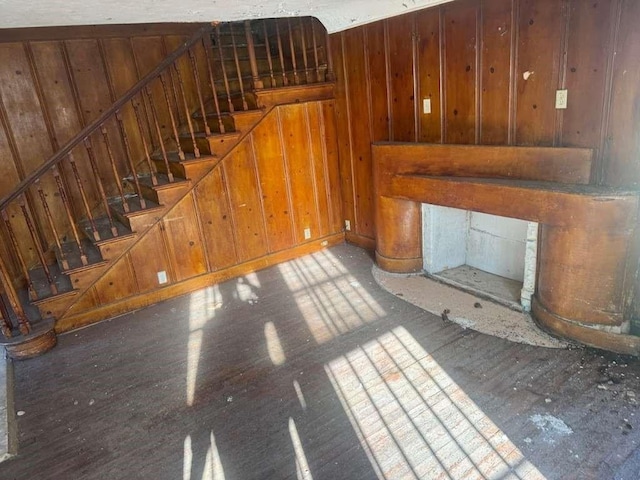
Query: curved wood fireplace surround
(585, 272)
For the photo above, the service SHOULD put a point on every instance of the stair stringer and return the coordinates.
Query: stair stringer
(94, 303)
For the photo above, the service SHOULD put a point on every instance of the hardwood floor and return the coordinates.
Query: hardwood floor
(310, 370)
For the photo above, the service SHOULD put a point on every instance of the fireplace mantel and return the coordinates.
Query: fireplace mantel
(586, 232)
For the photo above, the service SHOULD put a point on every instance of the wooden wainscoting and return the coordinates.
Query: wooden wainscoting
(276, 195)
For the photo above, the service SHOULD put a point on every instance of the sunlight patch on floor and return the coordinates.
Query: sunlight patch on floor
(202, 307)
(274, 347)
(302, 465)
(212, 468)
(413, 420)
(331, 300)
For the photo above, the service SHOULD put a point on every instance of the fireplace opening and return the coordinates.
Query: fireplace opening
(488, 255)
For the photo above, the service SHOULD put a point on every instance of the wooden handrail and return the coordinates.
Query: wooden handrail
(95, 125)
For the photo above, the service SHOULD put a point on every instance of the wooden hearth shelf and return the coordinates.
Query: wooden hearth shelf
(586, 231)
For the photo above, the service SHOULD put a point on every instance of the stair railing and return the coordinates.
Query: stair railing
(276, 52)
(70, 194)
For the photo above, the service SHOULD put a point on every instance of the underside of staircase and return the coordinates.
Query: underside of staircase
(57, 293)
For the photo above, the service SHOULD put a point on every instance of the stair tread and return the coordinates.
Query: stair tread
(212, 135)
(41, 284)
(72, 254)
(104, 230)
(225, 113)
(163, 181)
(134, 206)
(188, 157)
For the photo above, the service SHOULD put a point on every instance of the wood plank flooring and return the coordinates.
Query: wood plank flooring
(309, 370)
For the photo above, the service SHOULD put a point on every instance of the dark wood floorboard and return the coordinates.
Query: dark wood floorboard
(309, 370)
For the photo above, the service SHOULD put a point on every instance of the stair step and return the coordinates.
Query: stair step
(191, 168)
(236, 100)
(216, 144)
(295, 94)
(110, 246)
(137, 219)
(212, 120)
(72, 259)
(80, 275)
(41, 284)
(55, 305)
(165, 192)
(242, 120)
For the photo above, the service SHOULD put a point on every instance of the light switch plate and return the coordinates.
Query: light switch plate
(561, 99)
(162, 277)
(426, 105)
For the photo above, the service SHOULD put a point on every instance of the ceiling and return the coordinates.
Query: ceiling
(336, 15)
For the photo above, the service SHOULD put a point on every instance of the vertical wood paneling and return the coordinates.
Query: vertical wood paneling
(242, 186)
(401, 72)
(496, 72)
(539, 47)
(148, 257)
(588, 48)
(273, 182)
(184, 244)
(361, 132)
(474, 56)
(428, 31)
(459, 21)
(377, 77)
(343, 124)
(316, 141)
(23, 109)
(332, 166)
(215, 218)
(116, 283)
(297, 154)
(622, 156)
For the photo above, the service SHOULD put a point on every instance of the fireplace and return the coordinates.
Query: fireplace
(488, 255)
(586, 255)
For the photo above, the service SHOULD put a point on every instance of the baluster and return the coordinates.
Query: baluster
(159, 133)
(23, 265)
(268, 49)
(152, 172)
(132, 165)
(22, 202)
(96, 174)
(330, 77)
(67, 208)
(224, 69)
(192, 133)
(238, 69)
(292, 48)
(114, 169)
(257, 82)
(176, 136)
(213, 86)
(5, 319)
(14, 301)
(315, 50)
(304, 51)
(52, 225)
(196, 76)
(83, 194)
(285, 80)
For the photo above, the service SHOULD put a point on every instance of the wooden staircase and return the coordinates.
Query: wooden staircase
(61, 270)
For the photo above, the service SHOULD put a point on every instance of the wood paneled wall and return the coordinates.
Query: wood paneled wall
(279, 180)
(56, 81)
(53, 82)
(491, 69)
